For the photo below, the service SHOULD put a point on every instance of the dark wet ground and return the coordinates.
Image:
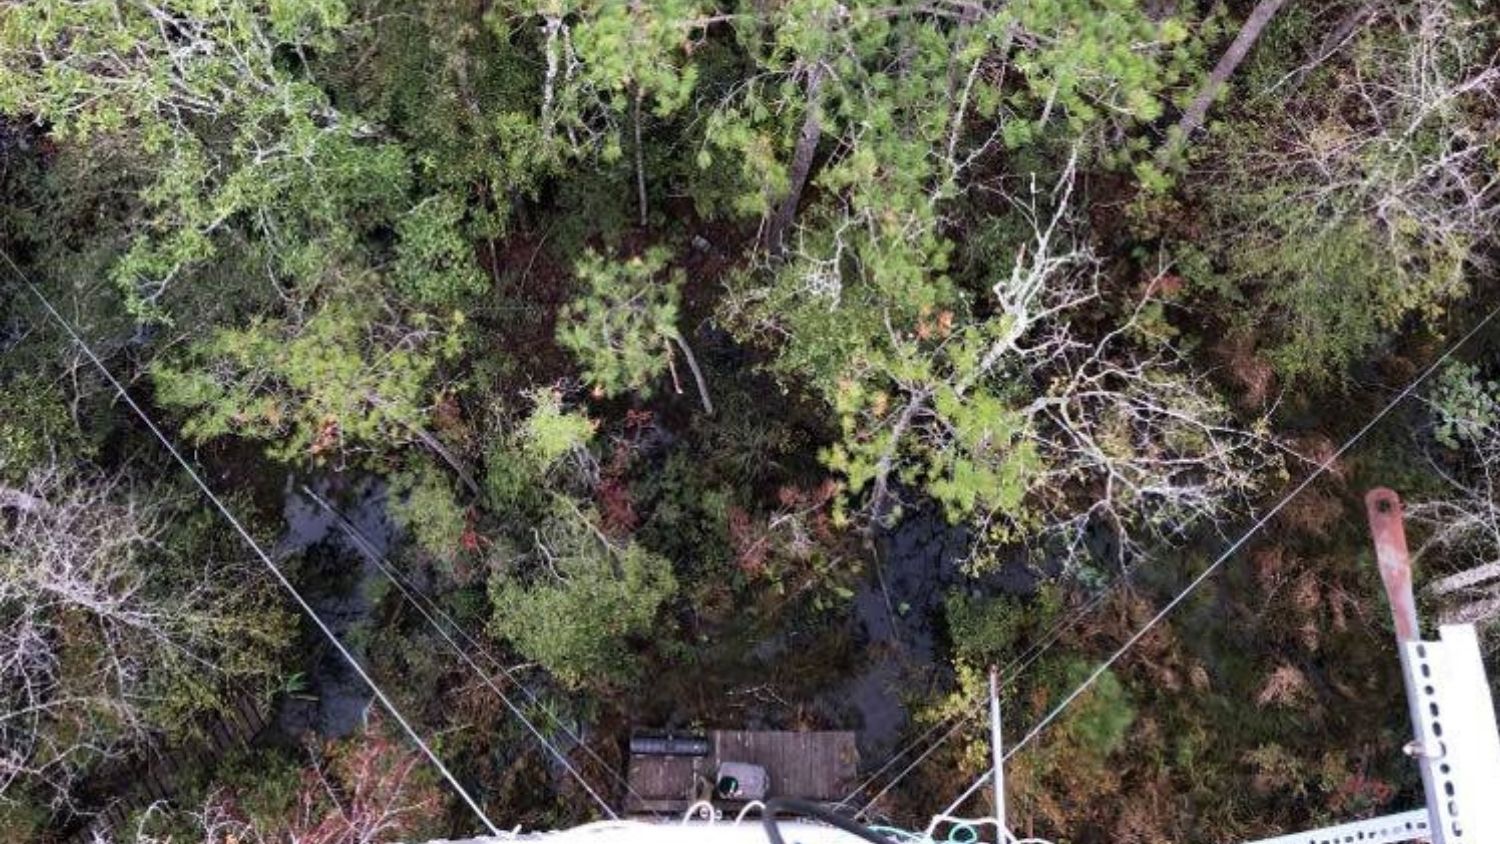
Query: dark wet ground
(894, 623)
(899, 615)
(337, 580)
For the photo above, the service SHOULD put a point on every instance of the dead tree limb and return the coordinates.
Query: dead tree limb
(692, 360)
(640, 159)
(802, 161)
(1250, 32)
(436, 447)
(880, 494)
(15, 499)
(1334, 41)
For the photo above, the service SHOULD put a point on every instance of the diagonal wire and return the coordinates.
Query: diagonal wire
(255, 546)
(890, 762)
(1010, 673)
(431, 611)
(369, 548)
(1218, 562)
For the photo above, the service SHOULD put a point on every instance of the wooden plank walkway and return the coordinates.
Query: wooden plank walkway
(154, 775)
(818, 766)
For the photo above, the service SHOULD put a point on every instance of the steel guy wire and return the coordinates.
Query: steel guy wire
(1011, 672)
(1218, 562)
(260, 552)
(428, 610)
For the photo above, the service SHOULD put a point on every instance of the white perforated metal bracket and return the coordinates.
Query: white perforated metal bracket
(1407, 826)
(1457, 742)
(1457, 746)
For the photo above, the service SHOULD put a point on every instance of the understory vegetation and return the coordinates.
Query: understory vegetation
(666, 330)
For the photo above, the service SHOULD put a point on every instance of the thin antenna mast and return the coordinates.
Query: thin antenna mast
(997, 752)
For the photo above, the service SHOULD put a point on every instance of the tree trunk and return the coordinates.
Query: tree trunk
(1192, 119)
(640, 158)
(802, 160)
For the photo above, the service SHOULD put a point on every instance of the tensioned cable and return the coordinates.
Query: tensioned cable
(902, 752)
(1011, 672)
(255, 546)
(415, 594)
(412, 595)
(1221, 559)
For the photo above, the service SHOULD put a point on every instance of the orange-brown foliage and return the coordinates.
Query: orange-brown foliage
(1251, 373)
(1286, 686)
(1313, 513)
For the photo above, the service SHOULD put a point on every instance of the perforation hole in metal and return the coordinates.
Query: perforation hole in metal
(1444, 772)
(1397, 831)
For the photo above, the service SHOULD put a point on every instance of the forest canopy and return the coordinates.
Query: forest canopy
(670, 338)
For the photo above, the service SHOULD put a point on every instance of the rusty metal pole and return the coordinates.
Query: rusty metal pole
(1388, 530)
(1383, 508)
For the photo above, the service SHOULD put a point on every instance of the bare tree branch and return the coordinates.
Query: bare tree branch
(802, 161)
(1250, 32)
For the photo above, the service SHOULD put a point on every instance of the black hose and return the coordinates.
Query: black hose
(777, 805)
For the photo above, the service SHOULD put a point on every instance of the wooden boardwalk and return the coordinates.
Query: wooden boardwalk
(818, 766)
(155, 775)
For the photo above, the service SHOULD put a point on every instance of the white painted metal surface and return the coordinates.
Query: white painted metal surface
(1472, 718)
(1407, 826)
(1457, 744)
(748, 831)
(997, 753)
